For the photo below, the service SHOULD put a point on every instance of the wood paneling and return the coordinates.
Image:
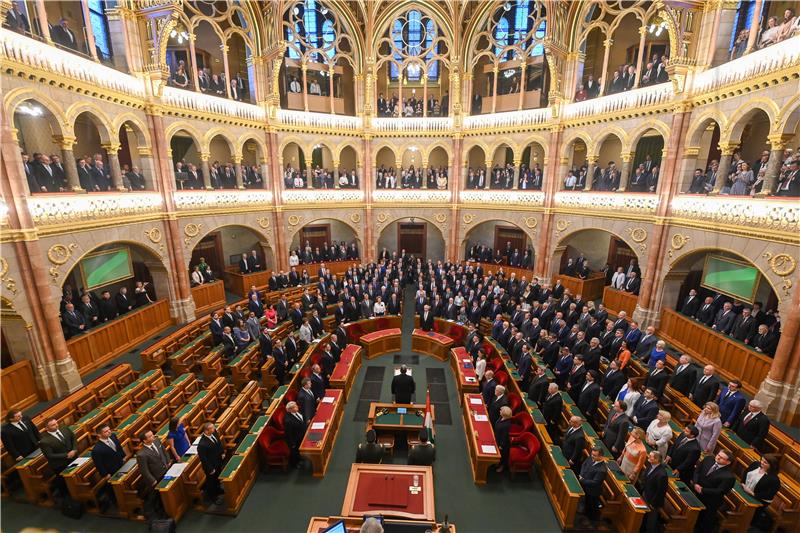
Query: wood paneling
(208, 296)
(95, 348)
(733, 360)
(18, 386)
(590, 288)
(616, 301)
(240, 283)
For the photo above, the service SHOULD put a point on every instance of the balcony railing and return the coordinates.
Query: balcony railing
(637, 98)
(228, 200)
(205, 103)
(773, 58)
(53, 209)
(411, 196)
(413, 124)
(494, 197)
(766, 213)
(606, 201)
(20, 49)
(318, 120)
(321, 196)
(512, 119)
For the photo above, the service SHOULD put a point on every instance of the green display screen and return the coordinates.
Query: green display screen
(106, 267)
(730, 277)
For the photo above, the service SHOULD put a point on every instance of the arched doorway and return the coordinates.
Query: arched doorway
(646, 164)
(502, 174)
(476, 177)
(185, 149)
(386, 175)
(349, 167)
(36, 128)
(705, 138)
(531, 173)
(136, 163)
(294, 166)
(749, 134)
(416, 236)
(91, 135)
(601, 248)
(500, 243)
(575, 177)
(313, 242)
(222, 248)
(437, 171)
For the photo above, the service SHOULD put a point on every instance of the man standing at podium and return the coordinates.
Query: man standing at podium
(403, 386)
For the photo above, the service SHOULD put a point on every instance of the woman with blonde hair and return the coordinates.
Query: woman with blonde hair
(709, 424)
(659, 432)
(633, 456)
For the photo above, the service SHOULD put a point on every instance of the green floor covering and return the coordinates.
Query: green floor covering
(282, 502)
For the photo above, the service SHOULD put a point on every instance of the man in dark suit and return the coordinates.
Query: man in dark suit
(306, 400)
(574, 442)
(124, 303)
(691, 304)
(19, 434)
(318, 382)
(211, 455)
(753, 426)
(551, 410)
(426, 318)
(228, 343)
(657, 378)
(706, 313)
(370, 451)
(705, 388)
(645, 409)
(685, 376)
(731, 403)
(502, 434)
(654, 489)
(725, 319)
(245, 266)
(74, 321)
(487, 388)
(153, 463)
(645, 344)
(589, 395)
(613, 380)
(403, 386)
(684, 454)
(499, 401)
(744, 326)
(765, 341)
(64, 36)
(632, 284)
(593, 473)
(59, 447)
(537, 390)
(294, 427)
(615, 432)
(712, 480)
(424, 453)
(107, 454)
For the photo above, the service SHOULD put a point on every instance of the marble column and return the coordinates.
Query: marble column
(265, 174)
(773, 166)
(724, 165)
(237, 168)
(113, 166)
(590, 171)
(755, 26)
(625, 171)
(205, 170)
(148, 168)
(70, 164)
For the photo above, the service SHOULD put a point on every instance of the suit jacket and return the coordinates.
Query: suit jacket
(20, 443)
(706, 314)
(294, 429)
(502, 434)
(616, 431)
(766, 344)
(754, 430)
(368, 452)
(613, 384)
(592, 477)
(645, 412)
(743, 328)
(73, 321)
(657, 381)
(495, 406)
(730, 406)
(573, 445)
(724, 321)
(538, 389)
(714, 485)
(588, 399)
(211, 454)
(551, 409)
(684, 380)
(318, 386)
(106, 460)
(655, 485)
(422, 454)
(488, 391)
(307, 402)
(767, 487)
(152, 464)
(690, 306)
(645, 346)
(684, 455)
(403, 387)
(56, 450)
(705, 392)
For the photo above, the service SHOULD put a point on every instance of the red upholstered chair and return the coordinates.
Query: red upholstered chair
(381, 323)
(316, 358)
(502, 378)
(514, 402)
(520, 423)
(273, 448)
(305, 373)
(290, 396)
(496, 364)
(523, 453)
(277, 418)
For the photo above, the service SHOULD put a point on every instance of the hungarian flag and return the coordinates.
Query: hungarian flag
(428, 416)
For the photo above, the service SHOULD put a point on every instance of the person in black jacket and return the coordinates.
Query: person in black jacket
(705, 389)
(370, 451)
(712, 480)
(615, 432)
(19, 434)
(589, 396)
(499, 401)
(307, 400)
(685, 376)
(761, 481)
(537, 390)
(613, 380)
(108, 455)
(684, 454)
(654, 490)
(502, 434)
(424, 453)
(752, 426)
(426, 318)
(574, 442)
(593, 473)
(403, 386)
(294, 427)
(707, 312)
(551, 410)
(691, 304)
(657, 378)
(211, 454)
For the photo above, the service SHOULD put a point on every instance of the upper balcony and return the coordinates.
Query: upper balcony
(213, 105)
(318, 121)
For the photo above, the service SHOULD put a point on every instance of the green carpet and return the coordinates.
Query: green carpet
(282, 502)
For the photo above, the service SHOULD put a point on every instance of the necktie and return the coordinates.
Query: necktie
(110, 444)
(748, 418)
(213, 438)
(60, 435)
(703, 379)
(21, 426)
(713, 469)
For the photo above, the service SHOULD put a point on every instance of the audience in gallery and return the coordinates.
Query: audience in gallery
(623, 79)
(413, 106)
(79, 315)
(745, 179)
(222, 176)
(509, 256)
(209, 83)
(340, 251)
(320, 178)
(47, 174)
(774, 32)
(644, 177)
(503, 177)
(411, 178)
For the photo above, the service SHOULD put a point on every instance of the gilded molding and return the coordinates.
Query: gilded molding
(49, 210)
(191, 231)
(263, 222)
(58, 254)
(677, 242)
(781, 264)
(9, 283)
(638, 235)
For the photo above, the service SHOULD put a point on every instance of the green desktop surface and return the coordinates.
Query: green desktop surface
(558, 456)
(392, 419)
(232, 465)
(260, 423)
(247, 442)
(571, 480)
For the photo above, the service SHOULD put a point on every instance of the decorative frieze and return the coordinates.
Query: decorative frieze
(75, 209)
(749, 212)
(221, 199)
(507, 198)
(321, 196)
(604, 201)
(410, 196)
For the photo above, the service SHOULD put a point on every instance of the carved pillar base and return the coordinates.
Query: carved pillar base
(65, 376)
(645, 317)
(182, 310)
(781, 400)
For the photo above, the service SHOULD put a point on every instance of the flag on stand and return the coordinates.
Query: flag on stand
(428, 416)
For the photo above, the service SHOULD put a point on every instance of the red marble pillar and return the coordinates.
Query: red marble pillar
(454, 184)
(549, 187)
(281, 247)
(370, 240)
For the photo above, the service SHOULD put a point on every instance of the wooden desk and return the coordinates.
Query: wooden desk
(479, 434)
(385, 418)
(384, 490)
(381, 342)
(345, 371)
(431, 342)
(208, 296)
(463, 371)
(353, 525)
(590, 288)
(317, 446)
(355, 330)
(616, 301)
(561, 485)
(240, 283)
(681, 508)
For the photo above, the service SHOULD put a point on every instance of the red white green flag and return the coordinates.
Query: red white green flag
(428, 416)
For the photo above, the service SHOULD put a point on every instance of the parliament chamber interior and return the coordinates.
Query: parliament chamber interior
(400, 265)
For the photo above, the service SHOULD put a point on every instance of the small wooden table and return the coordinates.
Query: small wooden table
(463, 371)
(318, 444)
(389, 490)
(432, 343)
(483, 449)
(394, 422)
(318, 524)
(381, 342)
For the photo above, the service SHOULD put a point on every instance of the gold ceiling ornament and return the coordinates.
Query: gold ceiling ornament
(3, 267)
(562, 224)
(531, 222)
(294, 219)
(263, 222)
(191, 231)
(787, 286)
(355, 218)
(54, 275)
(10, 283)
(781, 264)
(441, 218)
(383, 217)
(677, 242)
(58, 254)
(154, 234)
(468, 218)
(638, 234)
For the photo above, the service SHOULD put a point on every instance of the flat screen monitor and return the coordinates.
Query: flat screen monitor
(730, 277)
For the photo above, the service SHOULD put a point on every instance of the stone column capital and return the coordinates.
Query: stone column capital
(64, 142)
(111, 148)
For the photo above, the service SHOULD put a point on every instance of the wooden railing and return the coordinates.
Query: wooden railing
(616, 301)
(240, 283)
(590, 288)
(208, 296)
(18, 386)
(732, 359)
(102, 344)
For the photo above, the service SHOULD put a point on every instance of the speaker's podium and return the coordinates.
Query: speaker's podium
(400, 496)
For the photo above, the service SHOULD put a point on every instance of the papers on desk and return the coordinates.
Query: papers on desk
(196, 441)
(127, 466)
(175, 471)
(488, 448)
(475, 401)
(466, 360)
(327, 399)
(397, 371)
(470, 379)
(481, 418)
(79, 461)
(191, 451)
(318, 425)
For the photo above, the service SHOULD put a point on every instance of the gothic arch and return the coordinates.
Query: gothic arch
(176, 127)
(569, 143)
(636, 135)
(355, 226)
(137, 125)
(608, 131)
(96, 115)
(245, 138)
(433, 9)
(699, 125)
(203, 232)
(59, 122)
(476, 220)
(789, 116)
(740, 118)
(212, 134)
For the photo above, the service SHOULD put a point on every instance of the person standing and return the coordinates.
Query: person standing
(153, 464)
(502, 434)
(403, 386)
(295, 430)
(19, 434)
(59, 447)
(654, 490)
(211, 454)
(712, 480)
(593, 473)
